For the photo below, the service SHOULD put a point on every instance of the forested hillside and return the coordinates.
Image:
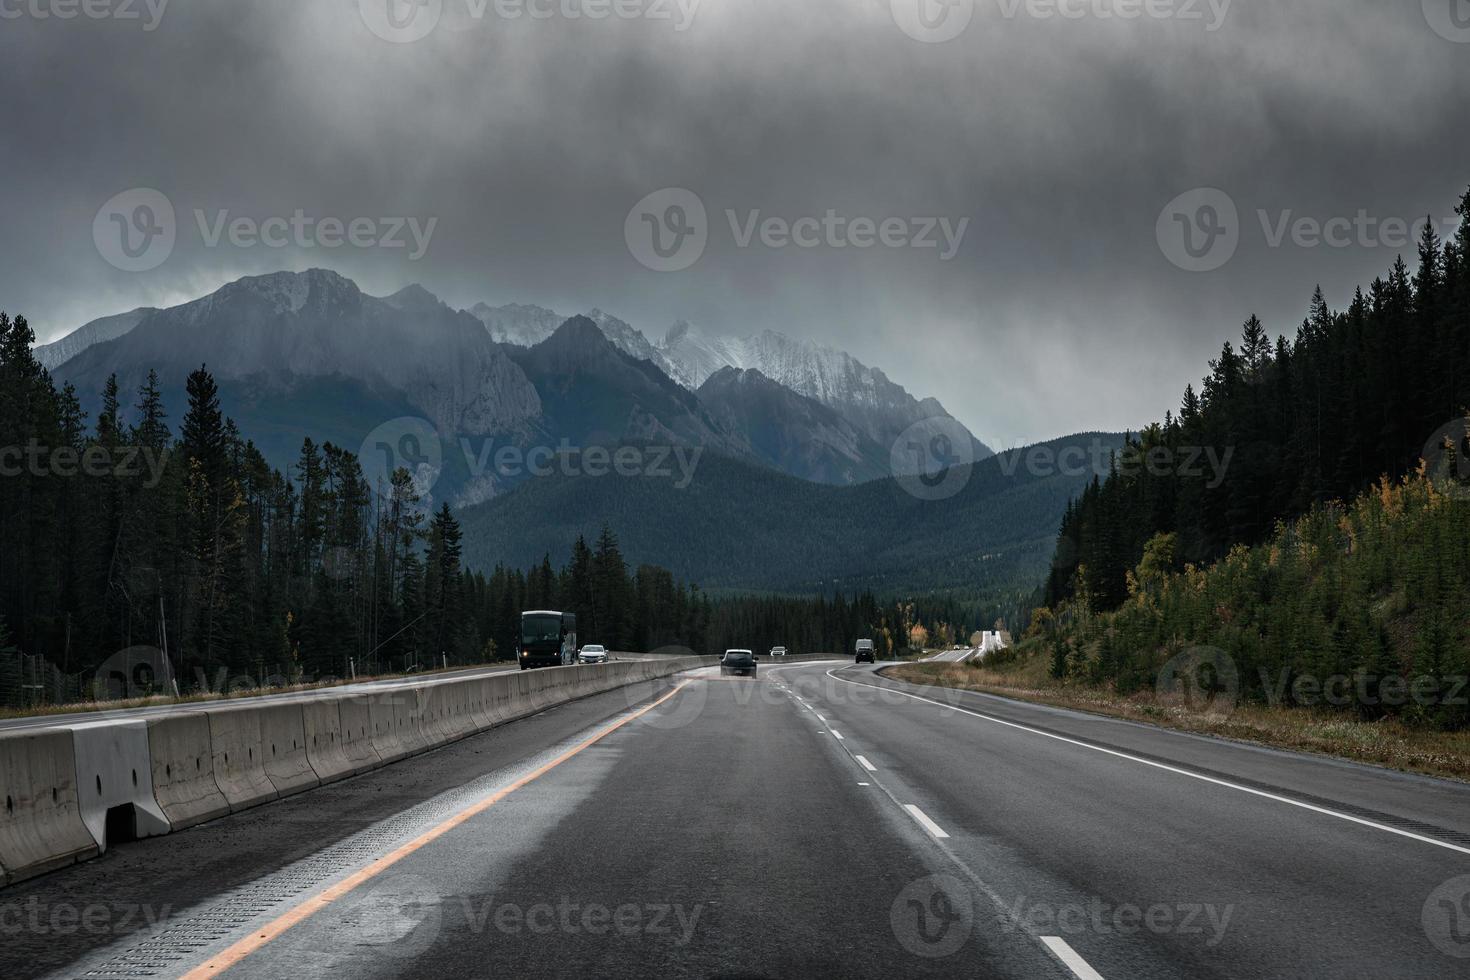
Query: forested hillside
(733, 526)
(1329, 562)
(1359, 607)
(1357, 394)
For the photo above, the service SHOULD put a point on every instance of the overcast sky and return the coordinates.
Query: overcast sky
(1060, 139)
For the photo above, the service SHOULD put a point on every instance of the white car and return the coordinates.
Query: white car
(593, 653)
(778, 651)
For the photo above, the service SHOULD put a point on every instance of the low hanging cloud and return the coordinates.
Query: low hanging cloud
(1122, 182)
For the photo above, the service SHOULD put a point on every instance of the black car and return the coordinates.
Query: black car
(865, 652)
(737, 662)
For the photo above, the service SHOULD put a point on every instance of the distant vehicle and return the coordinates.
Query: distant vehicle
(548, 639)
(865, 653)
(778, 651)
(737, 662)
(593, 653)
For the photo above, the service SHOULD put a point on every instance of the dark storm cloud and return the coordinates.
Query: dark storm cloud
(1059, 138)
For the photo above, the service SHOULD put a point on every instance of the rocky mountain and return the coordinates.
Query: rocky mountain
(790, 432)
(592, 393)
(631, 341)
(310, 354)
(98, 331)
(317, 324)
(864, 396)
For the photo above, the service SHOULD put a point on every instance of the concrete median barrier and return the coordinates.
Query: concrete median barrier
(459, 718)
(41, 826)
(357, 733)
(182, 760)
(386, 719)
(482, 704)
(321, 719)
(239, 770)
(501, 690)
(410, 712)
(283, 746)
(115, 781)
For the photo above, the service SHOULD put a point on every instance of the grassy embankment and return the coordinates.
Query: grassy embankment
(1026, 676)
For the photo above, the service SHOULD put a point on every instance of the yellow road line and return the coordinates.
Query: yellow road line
(252, 943)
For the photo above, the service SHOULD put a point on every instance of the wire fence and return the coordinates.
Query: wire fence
(27, 681)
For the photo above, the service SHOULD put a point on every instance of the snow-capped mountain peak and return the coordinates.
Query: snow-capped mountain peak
(865, 396)
(518, 324)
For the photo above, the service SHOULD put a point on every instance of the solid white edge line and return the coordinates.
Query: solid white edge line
(1174, 769)
(924, 820)
(863, 761)
(1069, 956)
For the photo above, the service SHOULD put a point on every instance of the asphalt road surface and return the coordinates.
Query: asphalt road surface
(818, 821)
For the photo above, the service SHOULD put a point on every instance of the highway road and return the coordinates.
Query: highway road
(817, 821)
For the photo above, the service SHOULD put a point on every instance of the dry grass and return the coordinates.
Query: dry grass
(1384, 743)
(83, 707)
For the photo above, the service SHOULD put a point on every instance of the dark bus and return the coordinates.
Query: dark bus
(548, 639)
